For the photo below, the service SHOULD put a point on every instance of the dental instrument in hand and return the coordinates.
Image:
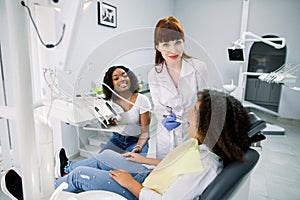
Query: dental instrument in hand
(170, 122)
(177, 119)
(105, 119)
(117, 116)
(170, 110)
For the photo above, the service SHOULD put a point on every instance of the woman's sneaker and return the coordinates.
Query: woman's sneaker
(11, 185)
(61, 161)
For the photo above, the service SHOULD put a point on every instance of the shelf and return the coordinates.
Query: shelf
(89, 151)
(97, 127)
(99, 140)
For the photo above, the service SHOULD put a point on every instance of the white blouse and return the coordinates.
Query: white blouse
(131, 118)
(189, 186)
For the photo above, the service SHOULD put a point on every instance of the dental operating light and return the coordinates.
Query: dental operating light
(240, 43)
(236, 52)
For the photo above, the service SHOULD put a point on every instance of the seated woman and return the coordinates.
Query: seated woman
(136, 118)
(219, 126)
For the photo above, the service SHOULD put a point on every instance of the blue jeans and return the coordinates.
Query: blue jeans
(94, 175)
(122, 144)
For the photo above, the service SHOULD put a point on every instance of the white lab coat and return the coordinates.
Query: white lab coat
(164, 93)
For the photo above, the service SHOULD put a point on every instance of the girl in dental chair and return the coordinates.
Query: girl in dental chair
(136, 117)
(219, 127)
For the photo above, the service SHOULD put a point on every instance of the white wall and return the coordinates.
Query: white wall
(96, 47)
(216, 24)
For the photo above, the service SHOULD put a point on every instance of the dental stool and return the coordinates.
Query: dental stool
(234, 180)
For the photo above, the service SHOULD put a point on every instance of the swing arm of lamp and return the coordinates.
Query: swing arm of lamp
(240, 43)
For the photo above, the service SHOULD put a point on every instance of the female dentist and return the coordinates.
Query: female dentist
(174, 83)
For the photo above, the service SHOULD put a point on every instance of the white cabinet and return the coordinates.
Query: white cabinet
(92, 140)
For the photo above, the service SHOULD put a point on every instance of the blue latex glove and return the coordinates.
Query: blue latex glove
(170, 123)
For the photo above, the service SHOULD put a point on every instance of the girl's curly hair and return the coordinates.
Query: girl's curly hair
(109, 81)
(223, 125)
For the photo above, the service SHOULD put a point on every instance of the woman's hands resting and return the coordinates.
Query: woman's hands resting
(127, 181)
(135, 157)
(138, 158)
(122, 177)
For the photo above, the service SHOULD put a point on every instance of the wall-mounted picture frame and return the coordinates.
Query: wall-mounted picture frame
(107, 14)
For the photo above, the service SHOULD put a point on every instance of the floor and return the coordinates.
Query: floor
(277, 174)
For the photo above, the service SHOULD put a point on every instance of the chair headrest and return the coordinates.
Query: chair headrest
(256, 126)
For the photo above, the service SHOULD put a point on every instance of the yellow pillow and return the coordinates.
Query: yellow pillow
(184, 159)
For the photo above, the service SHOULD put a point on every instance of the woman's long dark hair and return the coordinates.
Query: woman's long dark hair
(109, 81)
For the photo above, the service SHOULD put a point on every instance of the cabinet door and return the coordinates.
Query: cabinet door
(250, 94)
(262, 91)
(275, 92)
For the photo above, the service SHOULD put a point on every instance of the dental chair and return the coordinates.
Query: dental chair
(234, 180)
